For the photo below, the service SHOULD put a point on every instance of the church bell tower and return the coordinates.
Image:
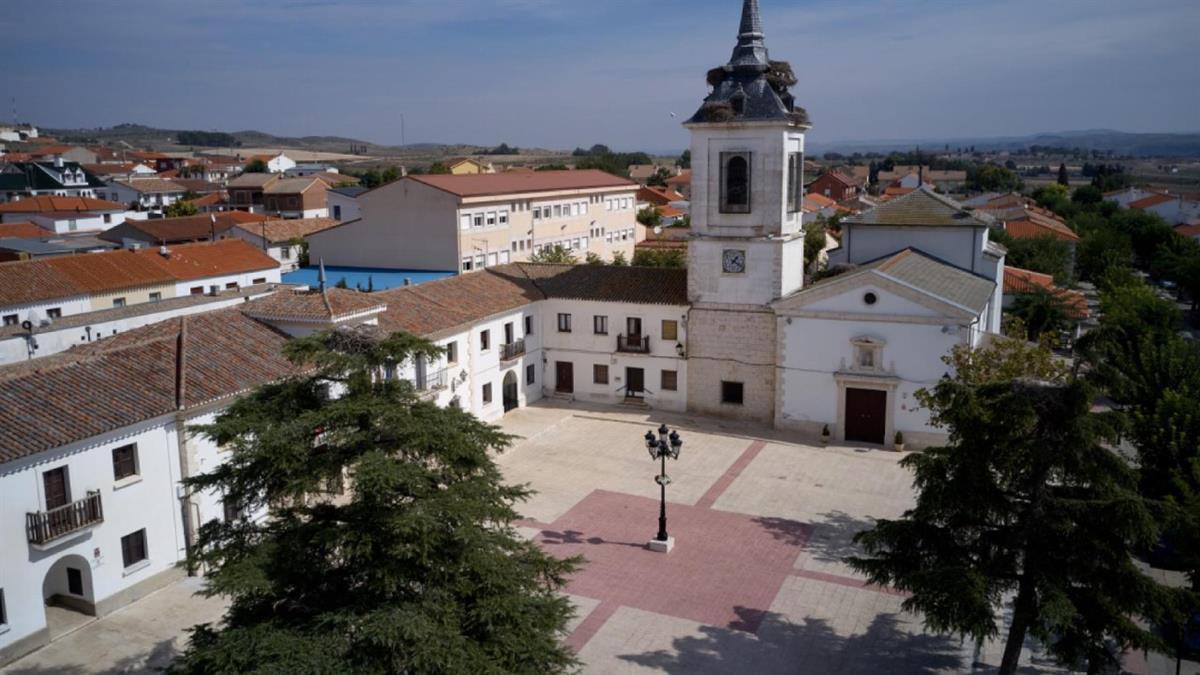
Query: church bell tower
(747, 246)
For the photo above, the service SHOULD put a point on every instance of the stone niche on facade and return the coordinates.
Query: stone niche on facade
(866, 357)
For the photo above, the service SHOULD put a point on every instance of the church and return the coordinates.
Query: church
(848, 352)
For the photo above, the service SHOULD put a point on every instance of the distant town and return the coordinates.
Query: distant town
(323, 405)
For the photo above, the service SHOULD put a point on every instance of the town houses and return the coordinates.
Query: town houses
(124, 325)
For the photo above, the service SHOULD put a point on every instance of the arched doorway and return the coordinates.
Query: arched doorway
(69, 595)
(511, 401)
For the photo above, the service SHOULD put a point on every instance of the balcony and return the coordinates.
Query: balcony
(513, 350)
(45, 527)
(431, 382)
(633, 344)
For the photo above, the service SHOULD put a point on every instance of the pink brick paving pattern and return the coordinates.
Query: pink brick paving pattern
(726, 568)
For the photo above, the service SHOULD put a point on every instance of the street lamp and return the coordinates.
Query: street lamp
(667, 444)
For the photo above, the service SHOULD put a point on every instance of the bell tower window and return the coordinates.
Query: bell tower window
(795, 181)
(735, 182)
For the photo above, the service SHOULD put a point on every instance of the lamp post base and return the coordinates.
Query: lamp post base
(660, 546)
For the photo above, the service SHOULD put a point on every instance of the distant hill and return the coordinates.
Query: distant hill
(1119, 142)
(141, 136)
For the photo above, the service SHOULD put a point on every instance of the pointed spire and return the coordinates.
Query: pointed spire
(750, 51)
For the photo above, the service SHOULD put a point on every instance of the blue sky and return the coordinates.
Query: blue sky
(562, 73)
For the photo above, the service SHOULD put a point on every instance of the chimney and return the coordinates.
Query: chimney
(58, 162)
(408, 281)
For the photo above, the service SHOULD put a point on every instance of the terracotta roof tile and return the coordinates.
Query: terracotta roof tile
(287, 230)
(23, 228)
(333, 304)
(58, 204)
(135, 376)
(1018, 281)
(150, 185)
(181, 229)
(1152, 200)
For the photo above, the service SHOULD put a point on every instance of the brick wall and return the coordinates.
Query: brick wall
(735, 344)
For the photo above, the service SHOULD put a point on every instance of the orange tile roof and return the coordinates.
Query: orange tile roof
(684, 178)
(287, 230)
(66, 276)
(1018, 281)
(512, 182)
(659, 195)
(24, 229)
(210, 199)
(1035, 224)
(50, 204)
(329, 305)
(1189, 230)
(1152, 200)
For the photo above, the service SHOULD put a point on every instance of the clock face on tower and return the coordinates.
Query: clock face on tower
(733, 261)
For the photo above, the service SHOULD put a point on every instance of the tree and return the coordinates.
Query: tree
(416, 568)
(1024, 498)
(672, 258)
(439, 168)
(619, 259)
(256, 166)
(659, 179)
(1046, 254)
(1005, 360)
(685, 160)
(552, 167)
(1063, 178)
(389, 175)
(992, 178)
(557, 253)
(1087, 194)
(814, 243)
(1042, 311)
(593, 259)
(650, 217)
(504, 149)
(180, 208)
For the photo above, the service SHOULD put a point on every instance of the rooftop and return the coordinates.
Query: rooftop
(150, 185)
(182, 229)
(293, 185)
(919, 270)
(287, 230)
(51, 204)
(922, 207)
(514, 182)
(143, 373)
(329, 305)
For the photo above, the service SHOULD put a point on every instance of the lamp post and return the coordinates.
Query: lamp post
(667, 444)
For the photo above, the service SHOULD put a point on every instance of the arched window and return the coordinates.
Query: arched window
(735, 182)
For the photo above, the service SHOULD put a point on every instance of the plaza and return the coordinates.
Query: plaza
(757, 581)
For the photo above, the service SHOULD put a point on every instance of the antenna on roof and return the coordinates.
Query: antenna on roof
(321, 276)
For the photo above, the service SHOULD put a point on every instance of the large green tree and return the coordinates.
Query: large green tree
(1024, 500)
(554, 254)
(414, 569)
(1042, 311)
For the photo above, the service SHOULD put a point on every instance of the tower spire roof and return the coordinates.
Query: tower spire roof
(750, 51)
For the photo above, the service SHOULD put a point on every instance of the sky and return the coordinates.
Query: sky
(567, 73)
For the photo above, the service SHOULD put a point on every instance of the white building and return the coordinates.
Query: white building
(20, 180)
(93, 516)
(283, 240)
(469, 222)
(280, 163)
(145, 194)
(61, 215)
(343, 203)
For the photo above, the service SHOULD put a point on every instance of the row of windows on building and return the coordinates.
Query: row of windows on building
(14, 319)
(486, 392)
(540, 212)
(633, 326)
(668, 379)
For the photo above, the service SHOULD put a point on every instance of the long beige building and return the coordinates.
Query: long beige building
(469, 222)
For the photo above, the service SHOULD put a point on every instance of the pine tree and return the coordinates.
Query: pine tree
(1023, 500)
(414, 569)
(1063, 178)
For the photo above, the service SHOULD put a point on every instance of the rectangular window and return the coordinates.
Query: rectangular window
(452, 353)
(530, 374)
(600, 325)
(155, 296)
(487, 393)
(491, 218)
(732, 392)
(196, 290)
(231, 286)
(107, 218)
(564, 323)
(259, 280)
(735, 182)
(233, 510)
(503, 217)
(478, 220)
(124, 461)
(133, 548)
(529, 325)
(118, 302)
(285, 252)
(485, 340)
(54, 313)
(599, 374)
(466, 264)
(11, 319)
(670, 329)
(795, 184)
(670, 380)
(464, 221)
(337, 211)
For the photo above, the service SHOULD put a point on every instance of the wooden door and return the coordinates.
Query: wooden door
(564, 377)
(866, 415)
(511, 401)
(58, 493)
(74, 581)
(635, 382)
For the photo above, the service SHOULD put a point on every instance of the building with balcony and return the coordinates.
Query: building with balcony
(469, 222)
(93, 516)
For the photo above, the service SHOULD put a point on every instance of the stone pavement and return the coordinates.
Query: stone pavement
(142, 637)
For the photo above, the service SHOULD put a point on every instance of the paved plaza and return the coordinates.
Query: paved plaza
(757, 582)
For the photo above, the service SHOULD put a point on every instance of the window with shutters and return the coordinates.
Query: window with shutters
(133, 548)
(124, 461)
